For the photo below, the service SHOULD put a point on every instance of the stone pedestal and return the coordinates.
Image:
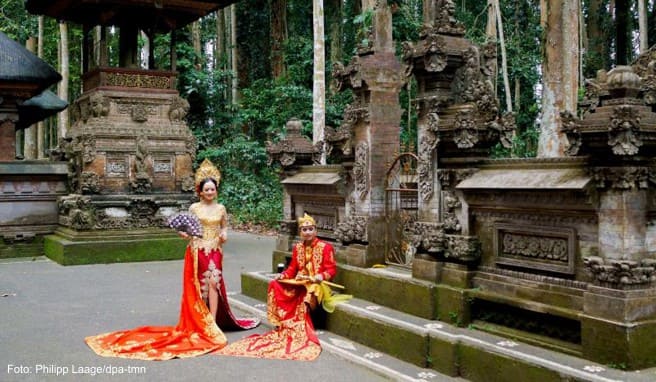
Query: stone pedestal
(28, 205)
(427, 269)
(618, 327)
(130, 157)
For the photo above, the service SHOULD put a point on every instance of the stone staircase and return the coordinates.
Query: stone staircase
(385, 316)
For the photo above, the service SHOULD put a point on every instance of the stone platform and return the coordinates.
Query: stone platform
(70, 247)
(384, 317)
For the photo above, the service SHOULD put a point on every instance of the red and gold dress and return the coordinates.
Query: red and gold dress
(197, 332)
(294, 337)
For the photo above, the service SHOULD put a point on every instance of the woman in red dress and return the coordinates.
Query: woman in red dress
(204, 309)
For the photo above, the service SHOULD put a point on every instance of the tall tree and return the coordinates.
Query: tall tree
(622, 28)
(278, 17)
(62, 92)
(504, 61)
(319, 78)
(334, 21)
(642, 22)
(597, 56)
(219, 46)
(40, 128)
(560, 69)
(234, 88)
(196, 43)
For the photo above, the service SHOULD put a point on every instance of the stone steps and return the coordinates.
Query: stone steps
(383, 317)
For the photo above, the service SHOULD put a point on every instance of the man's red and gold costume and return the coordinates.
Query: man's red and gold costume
(288, 302)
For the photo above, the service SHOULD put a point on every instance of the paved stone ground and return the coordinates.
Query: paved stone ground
(46, 310)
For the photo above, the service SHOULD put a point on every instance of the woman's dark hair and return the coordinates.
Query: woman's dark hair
(204, 181)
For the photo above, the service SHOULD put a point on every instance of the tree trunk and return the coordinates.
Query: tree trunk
(30, 135)
(334, 18)
(560, 71)
(504, 64)
(429, 12)
(597, 56)
(642, 21)
(278, 19)
(40, 128)
(195, 41)
(145, 51)
(368, 4)
(219, 47)
(62, 91)
(319, 81)
(490, 33)
(622, 40)
(233, 54)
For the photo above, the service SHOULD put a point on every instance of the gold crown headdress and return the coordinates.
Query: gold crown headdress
(306, 221)
(207, 170)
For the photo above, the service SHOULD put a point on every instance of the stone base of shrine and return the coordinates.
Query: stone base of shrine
(70, 247)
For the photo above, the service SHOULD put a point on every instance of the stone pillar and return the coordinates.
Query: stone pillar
(30, 133)
(382, 73)
(7, 140)
(623, 224)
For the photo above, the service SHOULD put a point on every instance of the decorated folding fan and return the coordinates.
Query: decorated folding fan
(187, 223)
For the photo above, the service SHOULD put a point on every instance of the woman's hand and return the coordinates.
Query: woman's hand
(184, 235)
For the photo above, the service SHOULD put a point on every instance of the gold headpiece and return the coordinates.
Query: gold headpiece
(306, 221)
(207, 170)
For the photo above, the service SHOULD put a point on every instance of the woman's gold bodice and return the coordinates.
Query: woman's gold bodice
(213, 218)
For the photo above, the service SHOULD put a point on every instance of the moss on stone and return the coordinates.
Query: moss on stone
(443, 356)
(403, 344)
(254, 286)
(479, 365)
(114, 250)
(416, 297)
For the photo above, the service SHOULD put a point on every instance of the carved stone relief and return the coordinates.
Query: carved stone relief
(76, 211)
(542, 248)
(621, 274)
(98, 105)
(622, 178)
(462, 248)
(179, 109)
(623, 135)
(89, 183)
(465, 134)
(353, 229)
(360, 169)
(427, 143)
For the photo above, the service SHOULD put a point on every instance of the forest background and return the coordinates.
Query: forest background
(246, 70)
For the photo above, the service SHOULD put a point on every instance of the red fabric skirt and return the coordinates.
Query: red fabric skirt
(294, 338)
(196, 332)
(209, 266)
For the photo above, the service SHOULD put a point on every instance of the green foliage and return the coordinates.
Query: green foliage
(267, 105)
(249, 188)
(210, 116)
(253, 35)
(299, 61)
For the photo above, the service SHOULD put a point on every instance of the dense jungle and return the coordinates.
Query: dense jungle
(248, 68)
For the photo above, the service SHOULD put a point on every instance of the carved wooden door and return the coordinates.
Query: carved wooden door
(401, 205)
